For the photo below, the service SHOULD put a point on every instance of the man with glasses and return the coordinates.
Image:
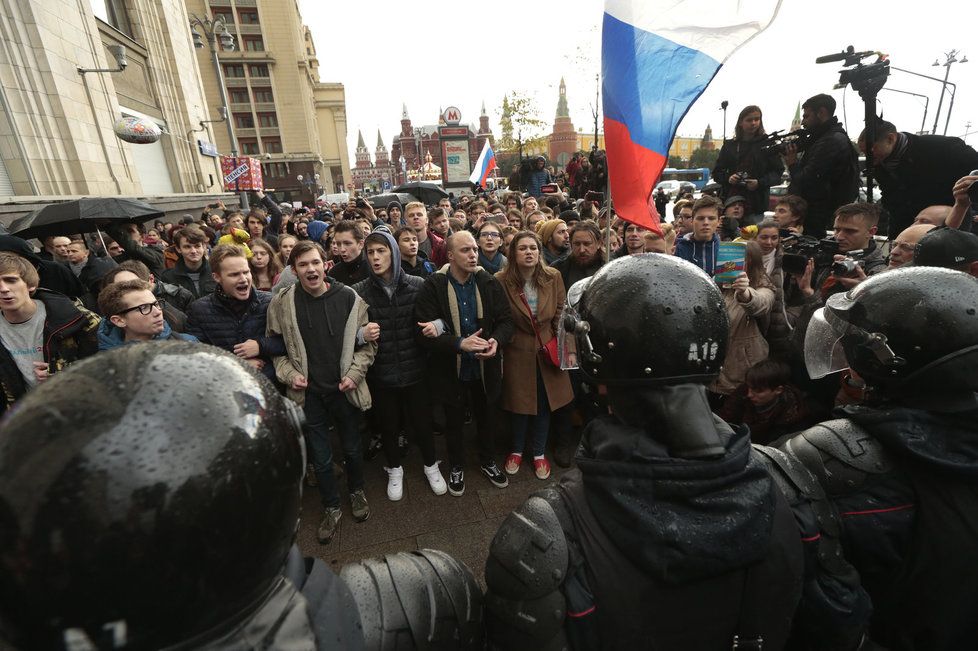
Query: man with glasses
(133, 314)
(903, 247)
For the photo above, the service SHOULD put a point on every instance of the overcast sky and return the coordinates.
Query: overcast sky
(433, 53)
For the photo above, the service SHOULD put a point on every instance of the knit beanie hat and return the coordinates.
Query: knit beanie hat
(546, 229)
(315, 230)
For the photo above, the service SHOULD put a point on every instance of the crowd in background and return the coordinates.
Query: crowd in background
(389, 323)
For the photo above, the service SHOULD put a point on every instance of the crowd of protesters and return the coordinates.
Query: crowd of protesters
(389, 324)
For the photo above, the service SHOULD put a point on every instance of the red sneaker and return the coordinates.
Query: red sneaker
(542, 468)
(512, 465)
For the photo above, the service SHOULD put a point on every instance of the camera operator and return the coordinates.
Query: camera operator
(915, 172)
(827, 175)
(745, 169)
(858, 257)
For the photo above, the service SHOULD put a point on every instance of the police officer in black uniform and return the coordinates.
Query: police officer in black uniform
(149, 499)
(671, 534)
(890, 488)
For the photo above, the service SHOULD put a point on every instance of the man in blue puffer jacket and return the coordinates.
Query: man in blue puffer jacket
(702, 245)
(233, 317)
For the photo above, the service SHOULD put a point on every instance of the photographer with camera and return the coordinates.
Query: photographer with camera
(915, 172)
(827, 176)
(744, 168)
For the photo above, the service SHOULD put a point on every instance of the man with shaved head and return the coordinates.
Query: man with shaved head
(934, 215)
(464, 321)
(903, 247)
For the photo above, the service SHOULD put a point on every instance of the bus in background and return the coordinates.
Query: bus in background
(698, 176)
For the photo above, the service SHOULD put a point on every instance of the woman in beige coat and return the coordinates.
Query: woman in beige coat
(748, 299)
(532, 386)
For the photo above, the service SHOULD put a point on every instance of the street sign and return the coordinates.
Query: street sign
(452, 116)
(387, 185)
(233, 176)
(207, 148)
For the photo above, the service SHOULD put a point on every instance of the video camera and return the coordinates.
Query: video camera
(778, 141)
(799, 249)
(865, 79)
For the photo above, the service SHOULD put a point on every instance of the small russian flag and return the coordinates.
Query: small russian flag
(484, 166)
(657, 58)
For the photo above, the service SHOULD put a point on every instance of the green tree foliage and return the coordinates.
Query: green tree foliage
(703, 158)
(676, 162)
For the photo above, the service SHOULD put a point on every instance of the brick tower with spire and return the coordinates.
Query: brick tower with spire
(563, 140)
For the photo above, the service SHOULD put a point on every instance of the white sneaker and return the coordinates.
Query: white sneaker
(435, 480)
(395, 483)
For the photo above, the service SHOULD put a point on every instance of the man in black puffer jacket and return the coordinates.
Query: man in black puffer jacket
(397, 375)
(827, 176)
(234, 316)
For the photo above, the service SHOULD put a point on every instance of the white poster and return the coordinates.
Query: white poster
(456, 161)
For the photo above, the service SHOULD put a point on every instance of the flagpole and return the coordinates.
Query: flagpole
(607, 224)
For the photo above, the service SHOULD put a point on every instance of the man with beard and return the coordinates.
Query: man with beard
(586, 256)
(233, 316)
(553, 234)
(827, 176)
(324, 365)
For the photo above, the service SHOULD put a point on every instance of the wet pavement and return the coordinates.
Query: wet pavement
(461, 526)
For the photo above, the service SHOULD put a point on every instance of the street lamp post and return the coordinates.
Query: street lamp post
(950, 58)
(403, 163)
(212, 31)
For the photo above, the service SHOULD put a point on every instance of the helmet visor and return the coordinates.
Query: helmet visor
(824, 354)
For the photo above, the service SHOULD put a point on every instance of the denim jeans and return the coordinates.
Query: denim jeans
(319, 409)
(538, 425)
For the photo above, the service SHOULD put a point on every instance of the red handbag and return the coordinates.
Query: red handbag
(548, 350)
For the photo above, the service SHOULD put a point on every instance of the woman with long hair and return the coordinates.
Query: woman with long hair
(744, 169)
(264, 264)
(748, 300)
(533, 387)
(285, 245)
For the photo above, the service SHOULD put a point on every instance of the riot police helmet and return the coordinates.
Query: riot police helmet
(650, 319)
(910, 329)
(149, 495)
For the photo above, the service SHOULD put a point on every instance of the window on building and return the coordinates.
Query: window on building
(114, 13)
(248, 146)
(223, 14)
(270, 170)
(244, 121)
(234, 70)
(238, 96)
(258, 70)
(263, 95)
(248, 16)
(253, 44)
(273, 145)
(267, 120)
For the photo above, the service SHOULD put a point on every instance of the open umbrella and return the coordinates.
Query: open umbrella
(82, 216)
(429, 193)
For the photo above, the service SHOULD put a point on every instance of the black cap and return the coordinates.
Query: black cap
(734, 199)
(946, 247)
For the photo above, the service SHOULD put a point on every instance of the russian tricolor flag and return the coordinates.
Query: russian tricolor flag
(484, 166)
(657, 58)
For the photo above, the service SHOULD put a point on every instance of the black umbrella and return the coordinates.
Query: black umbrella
(429, 193)
(82, 216)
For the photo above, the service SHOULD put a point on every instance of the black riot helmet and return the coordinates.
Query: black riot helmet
(910, 329)
(148, 495)
(651, 319)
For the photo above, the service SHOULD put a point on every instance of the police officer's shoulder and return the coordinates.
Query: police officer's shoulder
(840, 454)
(526, 566)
